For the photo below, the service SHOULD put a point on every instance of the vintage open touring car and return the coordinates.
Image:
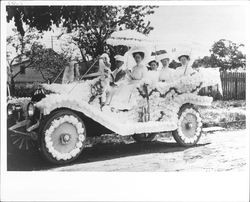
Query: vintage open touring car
(59, 117)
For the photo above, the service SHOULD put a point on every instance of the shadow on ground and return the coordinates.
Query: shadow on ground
(28, 161)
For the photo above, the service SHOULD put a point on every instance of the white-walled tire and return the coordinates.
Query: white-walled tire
(63, 137)
(189, 128)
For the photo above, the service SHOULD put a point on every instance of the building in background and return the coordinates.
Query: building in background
(26, 76)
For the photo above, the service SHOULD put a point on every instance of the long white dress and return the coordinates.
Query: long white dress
(167, 74)
(138, 72)
(123, 98)
(184, 70)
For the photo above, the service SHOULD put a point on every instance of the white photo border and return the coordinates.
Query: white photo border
(118, 186)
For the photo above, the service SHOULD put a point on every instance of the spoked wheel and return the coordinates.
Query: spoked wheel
(22, 141)
(189, 124)
(144, 137)
(63, 137)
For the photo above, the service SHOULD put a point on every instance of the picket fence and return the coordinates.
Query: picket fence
(233, 87)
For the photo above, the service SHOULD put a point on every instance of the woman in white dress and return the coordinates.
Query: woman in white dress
(153, 65)
(124, 99)
(166, 74)
(139, 71)
(185, 68)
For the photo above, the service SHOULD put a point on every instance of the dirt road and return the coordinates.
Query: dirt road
(218, 151)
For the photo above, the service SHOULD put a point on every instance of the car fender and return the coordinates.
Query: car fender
(56, 101)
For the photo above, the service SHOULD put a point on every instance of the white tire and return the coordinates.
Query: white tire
(189, 125)
(63, 137)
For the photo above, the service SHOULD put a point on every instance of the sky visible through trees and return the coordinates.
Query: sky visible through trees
(202, 24)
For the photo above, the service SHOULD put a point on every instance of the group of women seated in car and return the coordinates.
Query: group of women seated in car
(165, 72)
(140, 69)
(120, 94)
(118, 84)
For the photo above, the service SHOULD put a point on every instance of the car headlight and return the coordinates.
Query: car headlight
(10, 109)
(30, 109)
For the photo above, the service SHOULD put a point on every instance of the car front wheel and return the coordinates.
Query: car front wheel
(63, 137)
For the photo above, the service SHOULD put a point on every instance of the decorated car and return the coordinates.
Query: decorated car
(61, 116)
(141, 103)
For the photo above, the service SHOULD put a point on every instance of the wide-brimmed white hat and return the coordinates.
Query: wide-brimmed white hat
(163, 56)
(152, 59)
(183, 52)
(137, 49)
(119, 58)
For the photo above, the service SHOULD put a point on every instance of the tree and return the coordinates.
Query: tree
(224, 54)
(47, 61)
(92, 25)
(19, 45)
(227, 54)
(203, 62)
(18, 48)
(26, 48)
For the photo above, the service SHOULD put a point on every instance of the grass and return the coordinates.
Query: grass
(228, 114)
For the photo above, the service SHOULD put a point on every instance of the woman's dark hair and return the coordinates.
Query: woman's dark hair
(140, 53)
(154, 62)
(186, 56)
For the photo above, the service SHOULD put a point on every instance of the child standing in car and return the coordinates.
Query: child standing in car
(101, 88)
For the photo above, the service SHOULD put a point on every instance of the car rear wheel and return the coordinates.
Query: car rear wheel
(189, 124)
(63, 137)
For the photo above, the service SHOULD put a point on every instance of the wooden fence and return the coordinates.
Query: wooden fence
(233, 87)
